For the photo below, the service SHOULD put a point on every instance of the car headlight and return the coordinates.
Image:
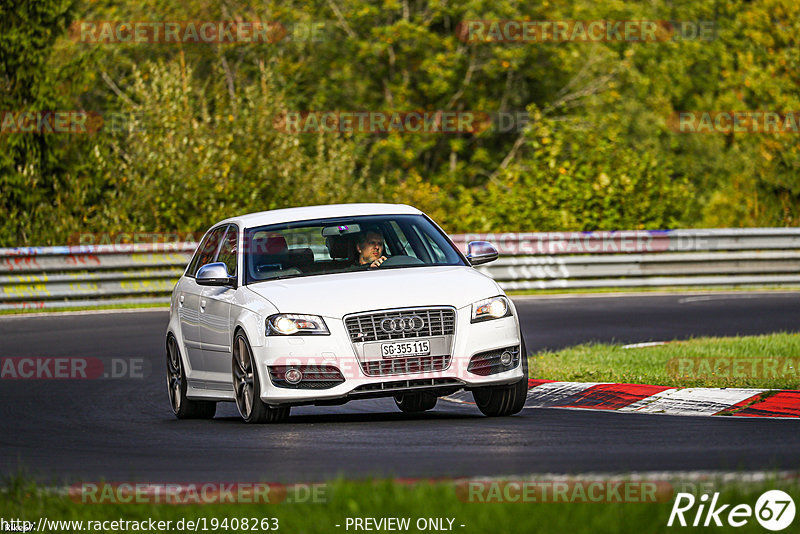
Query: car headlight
(292, 324)
(488, 309)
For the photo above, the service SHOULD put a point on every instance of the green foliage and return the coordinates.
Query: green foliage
(578, 178)
(764, 42)
(37, 171)
(196, 151)
(200, 144)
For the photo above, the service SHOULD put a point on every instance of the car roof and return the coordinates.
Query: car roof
(262, 218)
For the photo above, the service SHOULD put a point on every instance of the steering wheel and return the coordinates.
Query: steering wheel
(402, 260)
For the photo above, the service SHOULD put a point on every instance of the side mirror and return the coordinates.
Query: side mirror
(480, 252)
(215, 274)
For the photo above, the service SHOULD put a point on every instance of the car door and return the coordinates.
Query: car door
(215, 313)
(189, 298)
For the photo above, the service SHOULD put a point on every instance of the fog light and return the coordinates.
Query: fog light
(293, 376)
(506, 358)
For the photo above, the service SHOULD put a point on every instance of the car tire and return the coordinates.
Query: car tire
(500, 401)
(182, 407)
(415, 402)
(247, 387)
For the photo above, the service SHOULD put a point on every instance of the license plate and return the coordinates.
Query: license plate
(400, 349)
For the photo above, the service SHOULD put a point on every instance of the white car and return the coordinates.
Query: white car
(323, 305)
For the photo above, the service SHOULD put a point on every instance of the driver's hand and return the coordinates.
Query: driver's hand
(377, 263)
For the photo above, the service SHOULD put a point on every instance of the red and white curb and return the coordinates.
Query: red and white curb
(641, 398)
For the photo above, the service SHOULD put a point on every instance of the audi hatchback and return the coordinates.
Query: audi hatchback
(323, 305)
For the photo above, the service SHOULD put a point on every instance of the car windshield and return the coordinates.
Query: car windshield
(326, 246)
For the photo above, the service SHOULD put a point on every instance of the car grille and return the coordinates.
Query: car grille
(399, 366)
(367, 327)
(488, 363)
(408, 384)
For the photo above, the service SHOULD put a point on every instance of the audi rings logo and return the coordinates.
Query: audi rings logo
(397, 325)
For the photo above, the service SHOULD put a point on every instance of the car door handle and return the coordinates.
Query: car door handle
(180, 301)
(203, 305)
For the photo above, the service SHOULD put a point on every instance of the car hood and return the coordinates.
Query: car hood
(336, 295)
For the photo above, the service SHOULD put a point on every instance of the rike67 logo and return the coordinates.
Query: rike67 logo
(774, 510)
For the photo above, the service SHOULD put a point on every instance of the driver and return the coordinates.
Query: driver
(370, 248)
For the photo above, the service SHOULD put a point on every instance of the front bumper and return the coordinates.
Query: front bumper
(337, 351)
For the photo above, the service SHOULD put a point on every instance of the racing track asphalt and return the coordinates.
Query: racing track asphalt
(65, 430)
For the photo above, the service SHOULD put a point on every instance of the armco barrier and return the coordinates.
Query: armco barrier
(92, 275)
(644, 258)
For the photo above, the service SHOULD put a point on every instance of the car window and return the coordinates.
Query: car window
(402, 240)
(206, 251)
(329, 246)
(433, 248)
(227, 252)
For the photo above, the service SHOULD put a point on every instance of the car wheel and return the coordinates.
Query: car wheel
(500, 401)
(182, 407)
(415, 402)
(247, 388)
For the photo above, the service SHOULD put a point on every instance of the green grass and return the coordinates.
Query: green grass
(769, 361)
(383, 498)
